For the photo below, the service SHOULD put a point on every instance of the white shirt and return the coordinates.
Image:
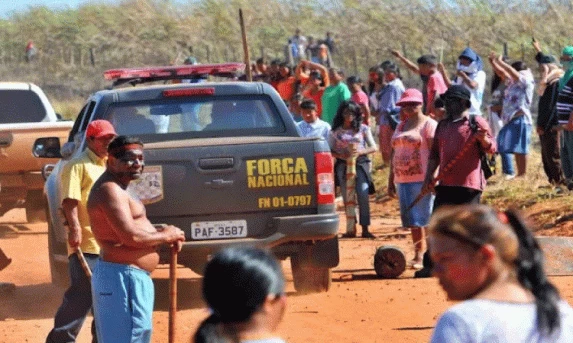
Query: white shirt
(319, 128)
(481, 321)
(477, 93)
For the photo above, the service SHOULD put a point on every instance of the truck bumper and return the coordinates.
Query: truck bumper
(286, 230)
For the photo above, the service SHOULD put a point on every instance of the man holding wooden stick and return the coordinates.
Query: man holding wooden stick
(123, 291)
(77, 179)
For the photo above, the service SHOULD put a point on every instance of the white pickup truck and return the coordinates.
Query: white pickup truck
(25, 114)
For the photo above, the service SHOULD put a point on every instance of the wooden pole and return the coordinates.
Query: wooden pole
(173, 292)
(84, 263)
(350, 204)
(245, 48)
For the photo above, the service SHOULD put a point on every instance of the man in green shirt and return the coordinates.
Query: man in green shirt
(334, 95)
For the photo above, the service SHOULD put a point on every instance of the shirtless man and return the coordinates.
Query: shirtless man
(123, 292)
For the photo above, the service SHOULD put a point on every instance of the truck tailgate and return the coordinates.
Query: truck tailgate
(222, 182)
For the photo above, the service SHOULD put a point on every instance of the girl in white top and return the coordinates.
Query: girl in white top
(492, 262)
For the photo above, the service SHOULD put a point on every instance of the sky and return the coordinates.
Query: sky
(9, 6)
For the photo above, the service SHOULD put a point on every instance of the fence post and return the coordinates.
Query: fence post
(92, 57)
(355, 61)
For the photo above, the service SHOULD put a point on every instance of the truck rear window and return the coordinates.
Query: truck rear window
(20, 106)
(197, 117)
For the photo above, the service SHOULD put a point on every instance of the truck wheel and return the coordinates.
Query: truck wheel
(58, 270)
(309, 278)
(35, 207)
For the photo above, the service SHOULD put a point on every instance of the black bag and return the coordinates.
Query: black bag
(487, 172)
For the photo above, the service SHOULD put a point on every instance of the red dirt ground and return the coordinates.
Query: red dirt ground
(359, 307)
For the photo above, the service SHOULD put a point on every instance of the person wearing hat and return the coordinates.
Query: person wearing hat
(311, 125)
(359, 96)
(515, 135)
(465, 181)
(76, 180)
(547, 123)
(411, 143)
(470, 74)
(317, 81)
(433, 82)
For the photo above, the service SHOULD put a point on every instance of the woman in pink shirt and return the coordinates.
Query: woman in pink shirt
(411, 144)
(360, 97)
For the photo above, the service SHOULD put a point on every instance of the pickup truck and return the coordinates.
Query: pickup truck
(25, 114)
(225, 162)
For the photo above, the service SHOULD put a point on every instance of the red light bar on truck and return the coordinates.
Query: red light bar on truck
(149, 74)
(188, 92)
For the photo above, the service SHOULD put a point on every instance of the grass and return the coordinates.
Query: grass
(68, 109)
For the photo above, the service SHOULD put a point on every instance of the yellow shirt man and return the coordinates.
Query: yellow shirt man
(77, 179)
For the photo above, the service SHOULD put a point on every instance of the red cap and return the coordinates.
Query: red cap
(411, 95)
(100, 128)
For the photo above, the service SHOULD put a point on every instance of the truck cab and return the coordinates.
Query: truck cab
(224, 162)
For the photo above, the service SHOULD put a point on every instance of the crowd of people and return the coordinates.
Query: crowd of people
(435, 142)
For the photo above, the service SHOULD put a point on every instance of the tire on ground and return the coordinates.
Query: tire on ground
(389, 262)
(309, 278)
(35, 206)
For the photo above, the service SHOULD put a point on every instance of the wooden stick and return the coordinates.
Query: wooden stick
(350, 204)
(245, 48)
(84, 263)
(445, 170)
(172, 292)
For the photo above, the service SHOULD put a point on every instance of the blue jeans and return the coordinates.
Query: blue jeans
(507, 163)
(361, 191)
(76, 305)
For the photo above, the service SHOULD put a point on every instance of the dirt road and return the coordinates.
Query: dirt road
(358, 308)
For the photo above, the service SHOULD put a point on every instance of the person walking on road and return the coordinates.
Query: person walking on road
(455, 141)
(350, 137)
(123, 292)
(411, 145)
(77, 179)
(492, 263)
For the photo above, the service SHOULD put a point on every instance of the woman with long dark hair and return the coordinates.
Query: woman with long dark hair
(492, 263)
(350, 137)
(244, 289)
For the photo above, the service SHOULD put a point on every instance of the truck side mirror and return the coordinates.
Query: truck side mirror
(47, 147)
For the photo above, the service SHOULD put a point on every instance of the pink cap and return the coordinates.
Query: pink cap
(411, 95)
(100, 128)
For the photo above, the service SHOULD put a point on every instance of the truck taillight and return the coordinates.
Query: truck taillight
(324, 178)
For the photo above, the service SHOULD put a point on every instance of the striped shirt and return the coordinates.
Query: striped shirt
(564, 103)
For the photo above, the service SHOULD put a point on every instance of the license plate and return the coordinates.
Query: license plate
(219, 229)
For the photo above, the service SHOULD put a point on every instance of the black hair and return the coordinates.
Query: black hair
(261, 60)
(427, 59)
(308, 104)
(477, 225)
(392, 67)
(495, 82)
(531, 275)
(114, 148)
(338, 120)
(236, 284)
(519, 65)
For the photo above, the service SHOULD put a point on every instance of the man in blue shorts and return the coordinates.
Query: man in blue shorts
(123, 292)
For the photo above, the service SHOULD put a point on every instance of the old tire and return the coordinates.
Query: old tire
(309, 278)
(389, 262)
(35, 207)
